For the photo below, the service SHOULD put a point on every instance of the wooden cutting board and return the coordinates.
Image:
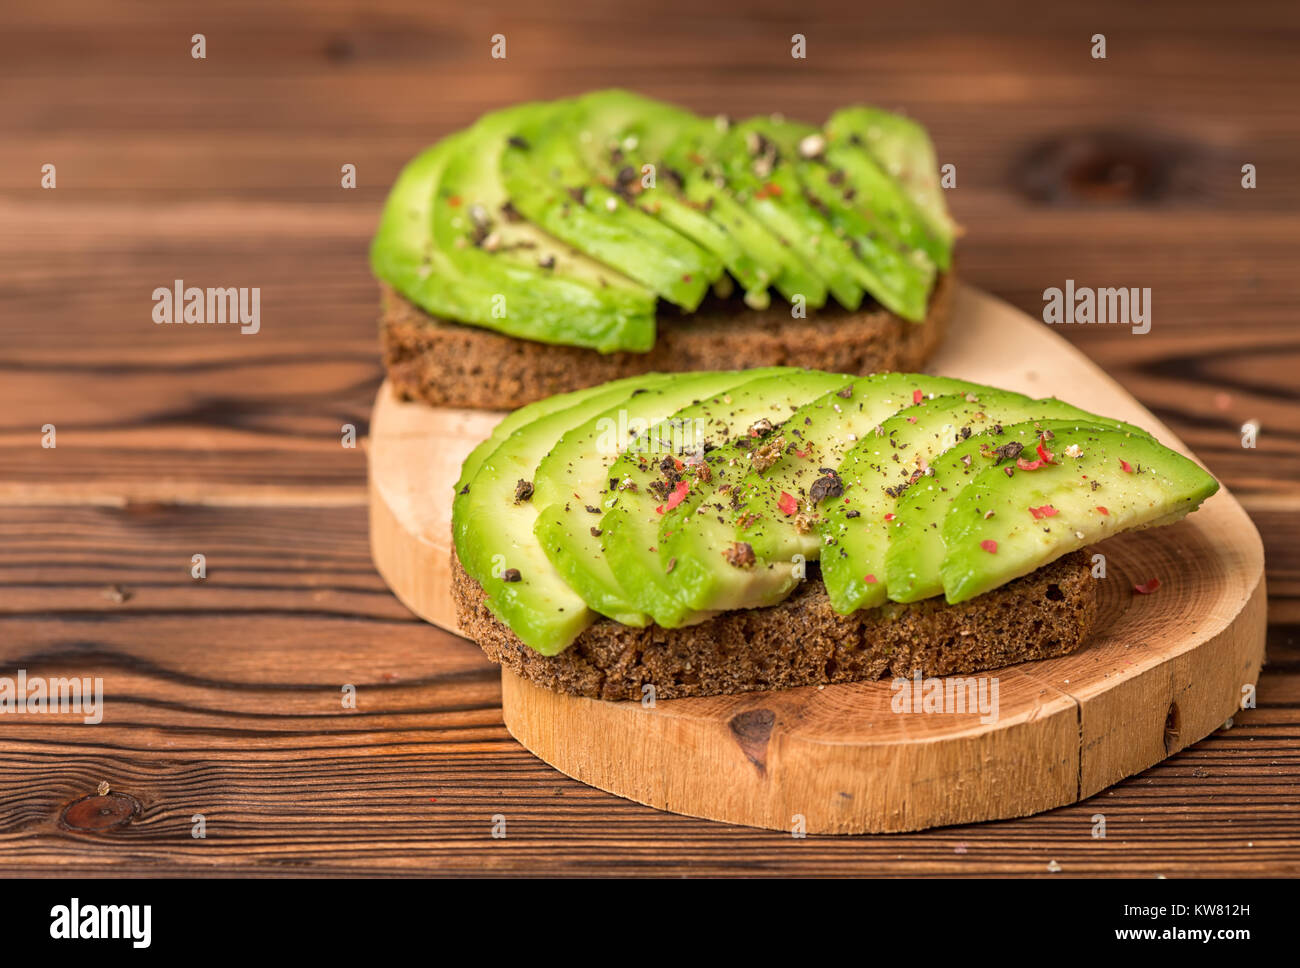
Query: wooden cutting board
(1160, 672)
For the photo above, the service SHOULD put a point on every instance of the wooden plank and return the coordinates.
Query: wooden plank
(222, 700)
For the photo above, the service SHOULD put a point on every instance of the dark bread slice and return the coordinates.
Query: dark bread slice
(803, 641)
(453, 365)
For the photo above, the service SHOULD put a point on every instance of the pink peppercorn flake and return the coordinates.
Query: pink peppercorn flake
(678, 495)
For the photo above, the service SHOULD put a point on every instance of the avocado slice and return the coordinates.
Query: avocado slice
(513, 421)
(403, 253)
(538, 306)
(858, 527)
(547, 181)
(916, 549)
(764, 181)
(904, 150)
(483, 236)
(818, 436)
(895, 274)
(619, 134)
(571, 481)
(767, 506)
(492, 528)
(1096, 484)
(644, 489)
(899, 278)
(982, 502)
(526, 415)
(688, 161)
(862, 177)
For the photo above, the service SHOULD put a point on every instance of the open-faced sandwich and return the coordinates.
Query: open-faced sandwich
(555, 245)
(719, 532)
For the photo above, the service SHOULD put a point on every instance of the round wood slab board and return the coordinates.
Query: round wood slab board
(1160, 672)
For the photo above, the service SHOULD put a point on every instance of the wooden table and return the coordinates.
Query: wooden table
(224, 694)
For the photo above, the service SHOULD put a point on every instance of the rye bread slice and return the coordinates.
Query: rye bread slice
(803, 641)
(449, 364)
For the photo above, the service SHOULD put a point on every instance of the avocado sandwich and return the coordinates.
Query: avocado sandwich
(726, 531)
(554, 245)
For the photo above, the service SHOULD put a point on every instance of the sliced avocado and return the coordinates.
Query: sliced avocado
(1096, 483)
(765, 182)
(857, 527)
(903, 148)
(534, 224)
(916, 549)
(483, 236)
(622, 139)
(646, 489)
(403, 253)
(526, 415)
(406, 255)
(767, 506)
(863, 177)
(572, 479)
(547, 181)
(513, 421)
(688, 162)
(492, 528)
(890, 270)
(899, 278)
(815, 439)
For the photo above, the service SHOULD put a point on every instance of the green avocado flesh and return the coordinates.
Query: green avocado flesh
(492, 525)
(903, 149)
(566, 222)
(527, 414)
(647, 488)
(999, 529)
(887, 253)
(759, 495)
(416, 252)
(623, 139)
(549, 185)
(671, 498)
(572, 479)
(899, 461)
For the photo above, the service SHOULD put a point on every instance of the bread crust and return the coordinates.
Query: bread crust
(449, 364)
(802, 641)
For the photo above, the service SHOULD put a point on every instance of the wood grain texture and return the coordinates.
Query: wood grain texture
(223, 699)
(225, 172)
(1158, 673)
